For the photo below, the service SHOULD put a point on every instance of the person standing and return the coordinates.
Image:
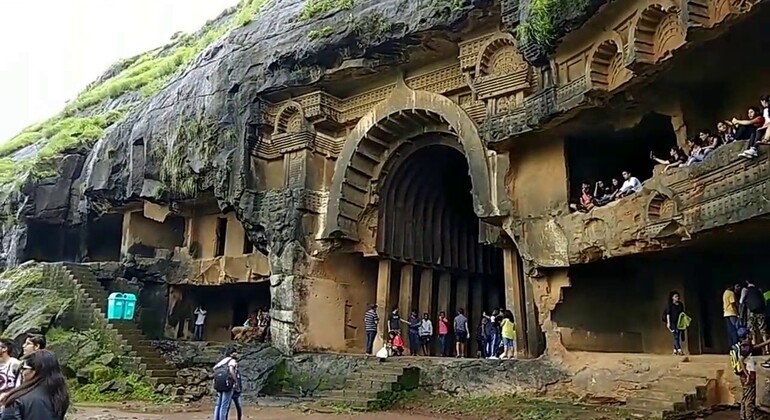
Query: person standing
(730, 310)
(443, 331)
(461, 332)
(370, 326)
(493, 334)
(414, 333)
(508, 331)
(481, 337)
(394, 321)
(753, 305)
(426, 332)
(43, 393)
(673, 310)
(225, 377)
(742, 358)
(10, 367)
(237, 390)
(200, 319)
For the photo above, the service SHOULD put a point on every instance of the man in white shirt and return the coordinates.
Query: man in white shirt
(630, 185)
(200, 319)
(9, 367)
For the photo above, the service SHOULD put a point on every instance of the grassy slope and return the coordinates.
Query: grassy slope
(82, 122)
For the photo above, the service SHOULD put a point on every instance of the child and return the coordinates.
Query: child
(481, 338)
(397, 343)
(508, 332)
(742, 359)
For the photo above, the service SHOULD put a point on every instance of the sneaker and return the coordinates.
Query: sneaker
(493, 358)
(752, 152)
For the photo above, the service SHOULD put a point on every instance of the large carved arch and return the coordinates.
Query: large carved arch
(405, 115)
(657, 30)
(605, 69)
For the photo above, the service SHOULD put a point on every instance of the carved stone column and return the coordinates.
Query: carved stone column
(426, 292)
(462, 300)
(383, 301)
(405, 298)
(477, 306)
(514, 299)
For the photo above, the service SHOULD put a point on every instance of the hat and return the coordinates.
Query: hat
(742, 333)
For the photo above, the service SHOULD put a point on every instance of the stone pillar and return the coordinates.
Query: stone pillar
(383, 302)
(426, 292)
(477, 304)
(444, 289)
(514, 299)
(405, 299)
(462, 302)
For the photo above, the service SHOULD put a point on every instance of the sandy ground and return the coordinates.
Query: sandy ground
(97, 413)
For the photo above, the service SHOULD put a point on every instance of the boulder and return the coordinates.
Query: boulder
(34, 310)
(75, 349)
(93, 373)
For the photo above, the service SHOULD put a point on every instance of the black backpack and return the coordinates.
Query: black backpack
(223, 382)
(755, 302)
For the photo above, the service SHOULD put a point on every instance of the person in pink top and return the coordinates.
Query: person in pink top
(443, 331)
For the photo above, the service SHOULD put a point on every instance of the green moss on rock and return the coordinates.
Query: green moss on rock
(542, 24)
(322, 33)
(29, 304)
(316, 8)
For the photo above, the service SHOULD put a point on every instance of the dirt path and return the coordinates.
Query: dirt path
(96, 413)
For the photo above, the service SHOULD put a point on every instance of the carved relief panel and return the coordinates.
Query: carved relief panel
(501, 78)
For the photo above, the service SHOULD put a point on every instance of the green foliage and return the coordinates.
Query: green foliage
(198, 139)
(147, 74)
(315, 8)
(372, 28)
(541, 25)
(23, 277)
(140, 390)
(505, 406)
(324, 32)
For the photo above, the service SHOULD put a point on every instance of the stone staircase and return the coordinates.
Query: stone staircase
(139, 352)
(696, 383)
(374, 386)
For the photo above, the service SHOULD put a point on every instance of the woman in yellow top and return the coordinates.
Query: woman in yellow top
(509, 336)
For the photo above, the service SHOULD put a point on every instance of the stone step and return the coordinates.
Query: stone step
(369, 385)
(377, 370)
(160, 373)
(649, 404)
(161, 381)
(353, 402)
(366, 394)
(701, 370)
(376, 376)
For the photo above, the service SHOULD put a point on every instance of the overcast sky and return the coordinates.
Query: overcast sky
(53, 48)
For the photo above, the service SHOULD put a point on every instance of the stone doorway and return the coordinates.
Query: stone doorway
(428, 238)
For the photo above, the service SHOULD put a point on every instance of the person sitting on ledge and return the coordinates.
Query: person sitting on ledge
(747, 130)
(708, 140)
(586, 199)
(697, 151)
(630, 185)
(603, 194)
(677, 158)
(239, 332)
(726, 132)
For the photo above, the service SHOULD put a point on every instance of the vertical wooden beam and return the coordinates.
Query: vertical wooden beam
(477, 304)
(514, 299)
(405, 299)
(426, 292)
(383, 302)
(462, 300)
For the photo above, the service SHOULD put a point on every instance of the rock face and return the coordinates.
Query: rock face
(195, 361)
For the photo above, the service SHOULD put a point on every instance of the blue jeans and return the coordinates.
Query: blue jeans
(222, 407)
(198, 332)
(237, 404)
(492, 345)
(370, 336)
(677, 339)
(442, 344)
(732, 330)
(414, 342)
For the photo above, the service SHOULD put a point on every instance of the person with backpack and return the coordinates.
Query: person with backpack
(225, 382)
(753, 306)
(743, 363)
(671, 317)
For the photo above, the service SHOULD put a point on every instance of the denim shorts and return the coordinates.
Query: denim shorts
(507, 342)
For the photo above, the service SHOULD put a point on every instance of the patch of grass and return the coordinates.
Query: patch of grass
(324, 32)
(147, 74)
(140, 390)
(505, 407)
(541, 25)
(315, 8)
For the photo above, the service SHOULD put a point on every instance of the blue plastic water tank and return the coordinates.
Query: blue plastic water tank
(115, 306)
(130, 305)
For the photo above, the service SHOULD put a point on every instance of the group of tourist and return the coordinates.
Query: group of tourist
(604, 193)
(33, 388)
(747, 332)
(754, 128)
(256, 328)
(495, 334)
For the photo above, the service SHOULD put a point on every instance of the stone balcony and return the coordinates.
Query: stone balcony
(672, 209)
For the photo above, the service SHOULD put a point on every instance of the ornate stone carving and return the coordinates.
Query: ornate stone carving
(501, 73)
(606, 68)
(658, 31)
